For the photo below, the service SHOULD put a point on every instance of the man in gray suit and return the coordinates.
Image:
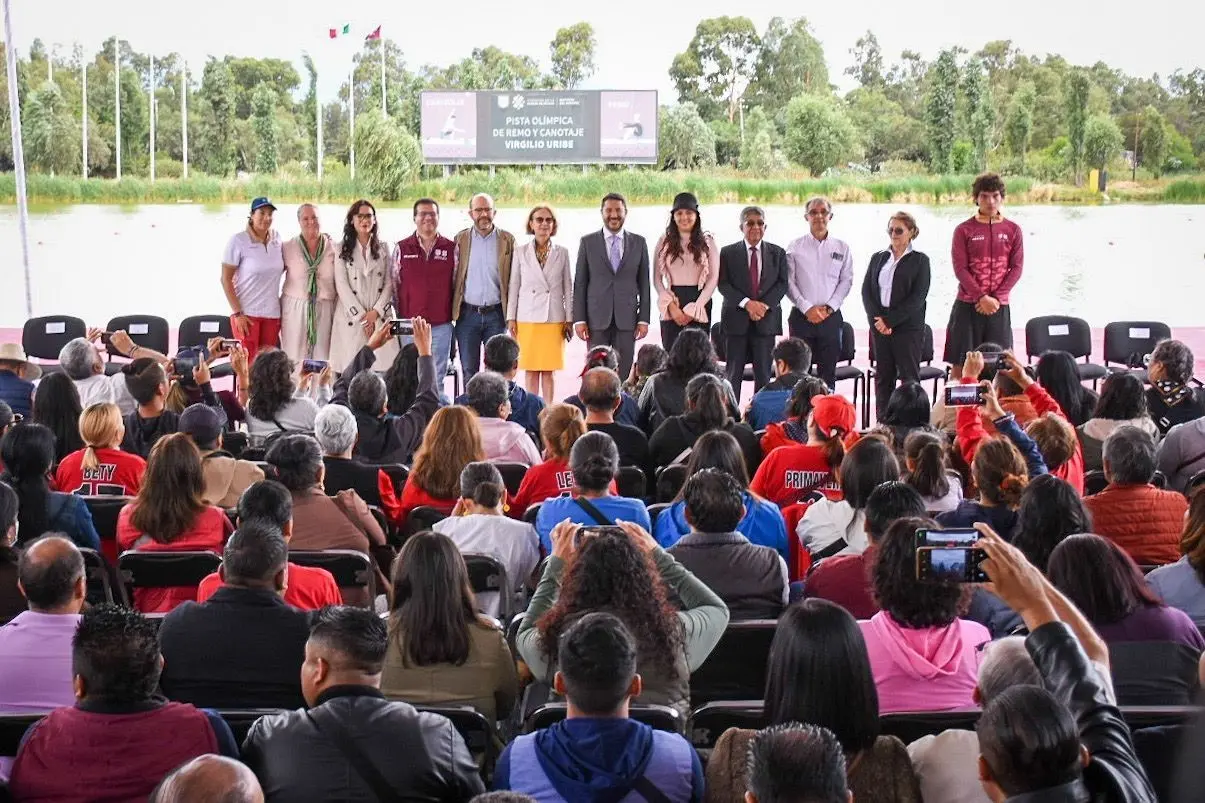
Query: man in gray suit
(611, 288)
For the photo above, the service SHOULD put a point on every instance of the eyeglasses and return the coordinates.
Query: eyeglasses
(543, 220)
(819, 213)
(365, 216)
(427, 214)
(897, 230)
(755, 224)
(481, 209)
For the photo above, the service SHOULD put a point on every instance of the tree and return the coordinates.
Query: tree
(790, 63)
(249, 73)
(685, 141)
(1102, 141)
(757, 151)
(51, 133)
(1018, 122)
(885, 131)
(309, 110)
(819, 133)
(1078, 87)
(217, 96)
(939, 111)
(487, 68)
(263, 108)
(1154, 141)
(981, 112)
(388, 157)
(717, 66)
(868, 62)
(573, 54)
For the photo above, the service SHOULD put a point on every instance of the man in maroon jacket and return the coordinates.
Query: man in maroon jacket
(423, 267)
(988, 255)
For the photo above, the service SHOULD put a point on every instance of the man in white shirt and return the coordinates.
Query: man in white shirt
(821, 269)
(81, 360)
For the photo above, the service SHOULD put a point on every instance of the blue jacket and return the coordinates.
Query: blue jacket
(556, 510)
(69, 514)
(17, 393)
(769, 404)
(1000, 518)
(588, 760)
(1009, 428)
(524, 407)
(762, 525)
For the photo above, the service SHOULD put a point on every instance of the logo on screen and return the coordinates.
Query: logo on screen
(504, 101)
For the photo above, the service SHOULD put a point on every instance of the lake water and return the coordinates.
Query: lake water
(1099, 263)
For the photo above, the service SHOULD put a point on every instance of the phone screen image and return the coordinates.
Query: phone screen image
(313, 366)
(963, 395)
(965, 537)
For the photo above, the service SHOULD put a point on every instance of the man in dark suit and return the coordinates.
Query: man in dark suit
(611, 287)
(753, 282)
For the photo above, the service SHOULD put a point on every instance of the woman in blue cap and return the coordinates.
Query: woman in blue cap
(252, 266)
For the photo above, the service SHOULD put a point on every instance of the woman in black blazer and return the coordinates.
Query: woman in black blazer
(894, 293)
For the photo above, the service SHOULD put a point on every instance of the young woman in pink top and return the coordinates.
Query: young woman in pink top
(923, 657)
(307, 302)
(686, 271)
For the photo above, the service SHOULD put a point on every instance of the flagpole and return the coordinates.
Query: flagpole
(84, 115)
(152, 100)
(14, 119)
(351, 112)
(117, 98)
(318, 125)
(184, 115)
(381, 40)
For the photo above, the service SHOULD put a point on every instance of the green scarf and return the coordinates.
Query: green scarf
(311, 307)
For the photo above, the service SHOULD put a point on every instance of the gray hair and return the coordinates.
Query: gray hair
(484, 195)
(1176, 359)
(78, 357)
(752, 210)
(335, 429)
(366, 393)
(818, 199)
(1129, 456)
(487, 392)
(304, 207)
(1006, 663)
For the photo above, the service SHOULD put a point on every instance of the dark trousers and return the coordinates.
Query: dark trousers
(896, 358)
(968, 330)
(474, 326)
(622, 340)
(750, 348)
(669, 329)
(823, 338)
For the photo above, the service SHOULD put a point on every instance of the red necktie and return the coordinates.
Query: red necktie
(754, 271)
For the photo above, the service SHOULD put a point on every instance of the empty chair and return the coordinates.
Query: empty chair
(1063, 333)
(143, 569)
(736, 668)
(196, 330)
(847, 370)
(659, 717)
(422, 518)
(148, 331)
(1129, 343)
(670, 480)
(631, 482)
(105, 510)
(352, 570)
(43, 338)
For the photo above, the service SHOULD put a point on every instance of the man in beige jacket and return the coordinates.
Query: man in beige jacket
(225, 477)
(480, 284)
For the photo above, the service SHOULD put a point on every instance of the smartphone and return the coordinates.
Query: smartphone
(950, 564)
(230, 344)
(401, 327)
(591, 530)
(954, 537)
(313, 366)
(964, 395)
(995, 360)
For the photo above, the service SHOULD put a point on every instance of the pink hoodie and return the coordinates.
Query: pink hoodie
(926, 669)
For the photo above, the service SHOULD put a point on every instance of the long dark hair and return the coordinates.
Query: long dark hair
(719, 450)
(1058, 374)
(907, 407)
(930, 475)
(819, 673)
(706, 402)
(433, 603)
(691, 354)
(10, 507)
(868, 464)
(271, 384)
(171, 495)
(672, 245)
(347, 251)
(1122, 397)
(57, 406)
(609, 573)
(27, 451)
(1050, 511)
(799, 406)
(401, 380)
(1099, 578)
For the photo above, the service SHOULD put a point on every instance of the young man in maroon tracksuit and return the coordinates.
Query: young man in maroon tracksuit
(988, 254)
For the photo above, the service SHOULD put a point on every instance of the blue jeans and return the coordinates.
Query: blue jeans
(473, 329)
(441, 349)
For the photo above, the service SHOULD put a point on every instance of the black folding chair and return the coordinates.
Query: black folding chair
(631, 482)
(422, 518)
(351, 569)
(240, 720)
(101, 579)
(512, 475)
(928, 371)
(1128, 343)
(846, 370)
(398, 474)
(105, 510)
(1063, 333)
(1095, 481)
(146, 569)
(486, 573)
(148, 331)
(656, 510)
(43, 338)
(531, 513)
(708, 722)
(195, 331)
(659, 717)
(1194, 482)
(670, 480)
(736, 668)
(12, 731)
(473, 727)
(912, 725)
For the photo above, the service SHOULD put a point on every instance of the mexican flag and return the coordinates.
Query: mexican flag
(376, 34)
(344, 30)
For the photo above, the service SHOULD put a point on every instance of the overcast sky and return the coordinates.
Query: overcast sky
(637, 39)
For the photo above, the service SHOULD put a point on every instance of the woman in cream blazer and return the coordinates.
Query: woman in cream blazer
(363, 286)
(539, 303)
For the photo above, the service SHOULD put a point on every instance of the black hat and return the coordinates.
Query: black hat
(685, 200)
(201, 422)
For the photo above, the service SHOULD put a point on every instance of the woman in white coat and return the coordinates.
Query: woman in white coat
(539, 304)
(364, 285)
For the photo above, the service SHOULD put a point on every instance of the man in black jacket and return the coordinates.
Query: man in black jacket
(1030, 747)
(352, 743)
(242, 647)
(386, 438)
(753, 282)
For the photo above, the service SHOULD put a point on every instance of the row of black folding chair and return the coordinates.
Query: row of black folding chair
(1095, 481)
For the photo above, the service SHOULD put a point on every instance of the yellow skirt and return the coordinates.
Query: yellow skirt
(541, 346)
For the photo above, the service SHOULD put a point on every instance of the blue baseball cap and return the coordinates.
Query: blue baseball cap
(260, 203)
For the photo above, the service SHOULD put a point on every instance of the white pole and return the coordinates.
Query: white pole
(351, 112)
(14, 118)
(50, 65)
(381, 41)
(152, 143)
(117, 97)
(84, 115)
(318, 125)
(184, 115)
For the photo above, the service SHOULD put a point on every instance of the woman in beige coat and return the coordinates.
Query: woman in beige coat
(364, 285)
(539, 304)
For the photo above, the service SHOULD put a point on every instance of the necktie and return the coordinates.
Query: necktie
(614, 253)
(754, 271)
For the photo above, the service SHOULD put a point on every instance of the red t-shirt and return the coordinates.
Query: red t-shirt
(544, 481)
(119, 474)
(413, 496)
(845, 580)
(208, 532)
(310, 588)
(790, 473)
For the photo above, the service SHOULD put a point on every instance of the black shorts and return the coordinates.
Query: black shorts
(968, 329)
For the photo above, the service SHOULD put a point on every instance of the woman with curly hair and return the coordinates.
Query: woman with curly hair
(664, 395)
(923, 656)
(363, 286)
(276, 403)
(622, 571)
(794, 429)
(686, 270)
(451, 441)
(1050, 511)
(1122, 403)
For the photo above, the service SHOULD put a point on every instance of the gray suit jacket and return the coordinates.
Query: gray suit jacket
(603, 297)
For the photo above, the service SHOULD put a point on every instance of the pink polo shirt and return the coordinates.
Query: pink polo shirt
(259, 268)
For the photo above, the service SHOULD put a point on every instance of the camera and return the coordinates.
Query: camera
(401, 327)
(964, 395)
(186, 361)
(949, 556)
(995, 361)
(313, 366)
